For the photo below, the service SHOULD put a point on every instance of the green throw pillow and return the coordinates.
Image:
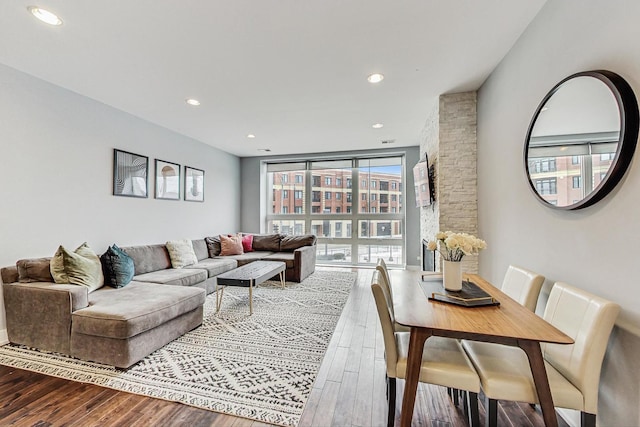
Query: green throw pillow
(117, 266)
(80, 267)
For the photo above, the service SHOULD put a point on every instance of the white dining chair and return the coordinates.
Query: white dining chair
(573, 370)
(444, 362)
(385, 281)
(523, 286)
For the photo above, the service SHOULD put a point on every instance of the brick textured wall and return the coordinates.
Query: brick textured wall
(449, 137)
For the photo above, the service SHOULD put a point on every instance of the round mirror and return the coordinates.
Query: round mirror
(581, 139)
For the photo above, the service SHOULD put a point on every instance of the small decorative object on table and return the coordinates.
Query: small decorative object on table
(452, 247)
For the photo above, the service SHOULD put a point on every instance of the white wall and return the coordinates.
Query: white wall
(595, 248)
(56, 161)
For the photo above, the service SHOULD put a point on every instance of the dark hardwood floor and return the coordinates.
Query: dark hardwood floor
(349, 390)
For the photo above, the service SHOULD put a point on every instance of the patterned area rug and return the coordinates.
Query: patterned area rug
(260, 367)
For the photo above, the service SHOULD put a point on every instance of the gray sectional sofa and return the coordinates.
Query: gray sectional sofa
(121, 326)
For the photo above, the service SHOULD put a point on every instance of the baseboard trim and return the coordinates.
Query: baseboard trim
(4, 338)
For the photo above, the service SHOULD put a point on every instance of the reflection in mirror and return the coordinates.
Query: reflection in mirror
(574, 142)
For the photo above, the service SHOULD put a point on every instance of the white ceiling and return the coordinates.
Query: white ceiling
(292, 72)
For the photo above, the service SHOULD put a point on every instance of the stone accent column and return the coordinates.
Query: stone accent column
(449, 138)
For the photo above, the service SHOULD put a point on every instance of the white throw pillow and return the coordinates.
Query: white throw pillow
(181, 253)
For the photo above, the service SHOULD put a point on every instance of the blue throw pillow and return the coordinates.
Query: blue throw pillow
(117, 266)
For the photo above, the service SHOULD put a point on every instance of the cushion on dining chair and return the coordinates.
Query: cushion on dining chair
(443, 363)
(505, 375)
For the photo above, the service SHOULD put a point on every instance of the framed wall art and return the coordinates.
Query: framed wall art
(130, 174)
(193, 184)
(167, 180)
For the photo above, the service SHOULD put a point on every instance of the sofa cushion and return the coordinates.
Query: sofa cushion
(231, 245)
(291, 243)
(286, 257)
(266, 242)
(34, 270)
(181, 253)
(215, 266)
(200, 249)
(80, 267)
(148, 258)
(118, 313)
(117, 267)
(248, 257)
(173, 276)
(213, 245)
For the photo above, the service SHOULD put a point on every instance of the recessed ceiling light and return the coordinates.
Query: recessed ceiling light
(377, 126)
(192, 101)
(375, 78)
(264, 149)
(251, 135)
(45, 16)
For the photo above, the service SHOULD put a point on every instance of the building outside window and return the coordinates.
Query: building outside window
(576, 182)
(546, 186)
(374, 229)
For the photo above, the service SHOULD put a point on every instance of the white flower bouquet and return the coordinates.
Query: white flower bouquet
(453, 246)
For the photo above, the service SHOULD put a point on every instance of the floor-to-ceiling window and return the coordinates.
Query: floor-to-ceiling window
(354, 206)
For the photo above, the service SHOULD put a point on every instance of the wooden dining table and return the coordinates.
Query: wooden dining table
(507, 323)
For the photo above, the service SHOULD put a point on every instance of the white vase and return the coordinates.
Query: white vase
(452, 275)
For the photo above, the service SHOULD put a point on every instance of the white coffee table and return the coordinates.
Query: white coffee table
(249, 275)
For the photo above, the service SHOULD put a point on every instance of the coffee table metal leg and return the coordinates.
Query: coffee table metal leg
(251, 297)
(219, 297)
(282, 279)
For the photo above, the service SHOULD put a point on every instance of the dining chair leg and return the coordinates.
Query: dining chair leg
(587, 419)
(456, 396)
(465, 402)
(391, 398)
(474, 415)
(491, 407)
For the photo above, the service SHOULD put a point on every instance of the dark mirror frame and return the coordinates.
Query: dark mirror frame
(628, 107)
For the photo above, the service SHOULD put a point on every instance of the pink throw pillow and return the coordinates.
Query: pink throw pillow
(231, 245)
(247, 242)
